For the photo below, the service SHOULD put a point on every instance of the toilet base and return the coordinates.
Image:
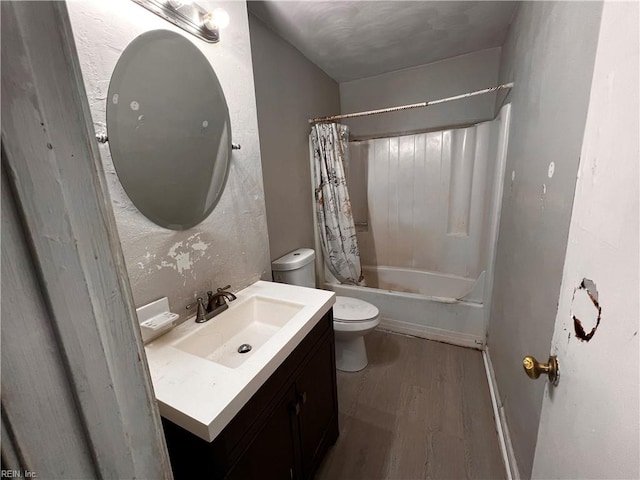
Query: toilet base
(351, 354)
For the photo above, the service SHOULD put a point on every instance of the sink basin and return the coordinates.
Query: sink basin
(201, 381)
(252, 322)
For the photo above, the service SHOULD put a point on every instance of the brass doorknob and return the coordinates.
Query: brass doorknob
(533, 368)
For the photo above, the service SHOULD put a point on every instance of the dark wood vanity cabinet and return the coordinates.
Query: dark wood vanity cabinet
(316, 390)
(282, 432)
(273, 450)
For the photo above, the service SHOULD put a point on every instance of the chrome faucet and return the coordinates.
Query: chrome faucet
(216, 304)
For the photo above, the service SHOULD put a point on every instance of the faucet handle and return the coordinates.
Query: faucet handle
(200, 309)
(191, 305)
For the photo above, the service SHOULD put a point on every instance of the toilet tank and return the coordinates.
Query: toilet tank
(296, 268)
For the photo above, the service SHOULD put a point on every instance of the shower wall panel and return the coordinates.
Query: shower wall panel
(425, 199)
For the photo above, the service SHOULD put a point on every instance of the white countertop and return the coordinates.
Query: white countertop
(202, 396)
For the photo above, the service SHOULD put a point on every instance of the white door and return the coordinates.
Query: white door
(589, 426)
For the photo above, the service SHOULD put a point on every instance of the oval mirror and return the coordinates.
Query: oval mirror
(169, 130)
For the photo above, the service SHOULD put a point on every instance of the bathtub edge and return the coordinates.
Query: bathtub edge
(432, 333)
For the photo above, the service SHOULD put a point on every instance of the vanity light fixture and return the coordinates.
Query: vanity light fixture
(176, 4)
(190, 17)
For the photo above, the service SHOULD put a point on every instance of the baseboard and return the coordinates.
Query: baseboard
(504, 438)
(431, 333)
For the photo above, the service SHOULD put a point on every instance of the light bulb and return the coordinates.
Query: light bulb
(219, 18)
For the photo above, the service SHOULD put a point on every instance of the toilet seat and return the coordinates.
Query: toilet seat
(352, 320)
(353, 310)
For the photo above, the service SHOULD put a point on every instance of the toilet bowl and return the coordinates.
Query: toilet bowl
(352, 318)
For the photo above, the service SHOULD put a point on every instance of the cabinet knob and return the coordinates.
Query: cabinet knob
(303, 398)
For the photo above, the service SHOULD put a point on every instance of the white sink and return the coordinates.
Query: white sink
(252, 322)
(201, 381)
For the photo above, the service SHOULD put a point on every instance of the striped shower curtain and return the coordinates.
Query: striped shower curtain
(330, 148)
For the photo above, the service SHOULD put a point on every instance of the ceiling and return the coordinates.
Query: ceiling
(356, 39)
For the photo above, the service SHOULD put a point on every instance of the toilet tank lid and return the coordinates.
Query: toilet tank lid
(293, 260)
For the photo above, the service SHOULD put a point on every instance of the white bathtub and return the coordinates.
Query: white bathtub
(431, 305)
(438, 286)
(425, 304)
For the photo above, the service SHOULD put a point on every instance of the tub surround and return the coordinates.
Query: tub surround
(446, 186)
(202, 396)
(427, 198)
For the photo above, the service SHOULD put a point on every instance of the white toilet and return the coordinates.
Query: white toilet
(352, 318)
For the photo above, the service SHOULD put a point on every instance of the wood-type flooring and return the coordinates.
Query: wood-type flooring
(420, 410)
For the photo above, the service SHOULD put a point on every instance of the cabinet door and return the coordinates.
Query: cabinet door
(318, 417)
(271, 454)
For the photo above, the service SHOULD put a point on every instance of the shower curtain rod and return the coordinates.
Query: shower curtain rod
(408, 107)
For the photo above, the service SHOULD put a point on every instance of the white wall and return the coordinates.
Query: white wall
(231, 245)
(590, 425)
(549, 54)
(445, 78)
(289, 90)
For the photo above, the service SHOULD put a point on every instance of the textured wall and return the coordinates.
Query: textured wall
(289, 90)
(445, 78)
(549, 54)
(231, 245)
(427, 199)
